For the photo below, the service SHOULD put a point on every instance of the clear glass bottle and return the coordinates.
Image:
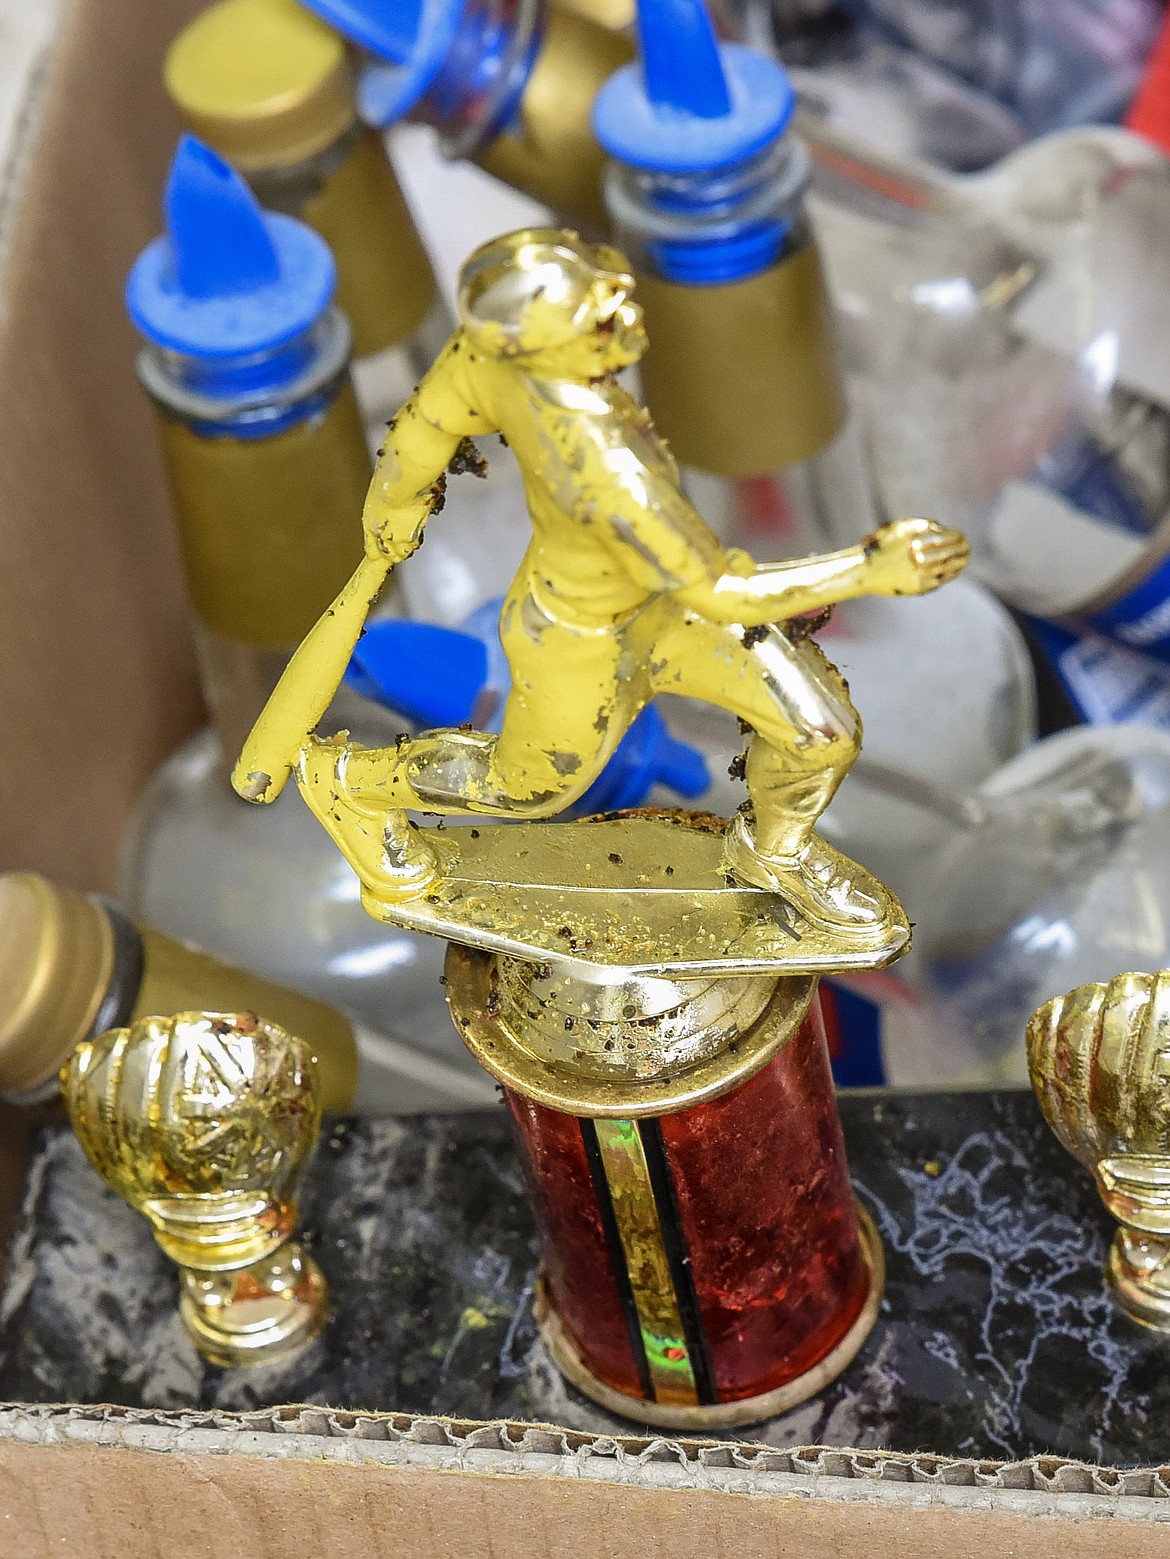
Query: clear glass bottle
(272, 90)
(742, 378)
(508, 83)
(245, 357)
(1006, 338)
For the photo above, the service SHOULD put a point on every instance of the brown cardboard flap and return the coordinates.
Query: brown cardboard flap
(96, 679)
(243, 1486)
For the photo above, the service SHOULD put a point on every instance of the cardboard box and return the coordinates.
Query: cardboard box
(97, 683)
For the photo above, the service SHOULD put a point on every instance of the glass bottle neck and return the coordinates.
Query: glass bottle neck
(710, 228)
(477, 91)
(267, 493)
(256, 395)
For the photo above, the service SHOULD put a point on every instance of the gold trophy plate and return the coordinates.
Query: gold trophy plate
(646, 893)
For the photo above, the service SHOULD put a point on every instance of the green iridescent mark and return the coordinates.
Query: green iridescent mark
(647, 1264)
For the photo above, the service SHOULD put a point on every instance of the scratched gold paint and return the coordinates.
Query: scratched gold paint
(1099, 1061)
(204, 1123)
(176, 978)
(624, 593)
(640, 1230)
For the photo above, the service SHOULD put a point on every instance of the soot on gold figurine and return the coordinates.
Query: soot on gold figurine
(1099, 1060)
(644, 986)
(203, 1122)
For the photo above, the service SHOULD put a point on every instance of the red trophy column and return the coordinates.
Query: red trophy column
(704, 1263)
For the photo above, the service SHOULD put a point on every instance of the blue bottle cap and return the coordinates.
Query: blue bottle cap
(227, 280)
(429, 675)
(691, 104)
(409, 40)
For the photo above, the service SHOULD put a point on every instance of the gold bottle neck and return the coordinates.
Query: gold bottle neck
(550, 151)
(771, 339)
(73, 967)
(270, 87)
(269, 531)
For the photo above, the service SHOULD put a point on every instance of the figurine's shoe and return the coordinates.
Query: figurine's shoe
(390, 856)
(826, 886)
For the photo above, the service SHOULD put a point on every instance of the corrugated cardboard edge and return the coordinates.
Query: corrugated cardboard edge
(1043, 1485)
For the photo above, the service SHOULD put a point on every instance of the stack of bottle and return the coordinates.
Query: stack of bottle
(835, 339)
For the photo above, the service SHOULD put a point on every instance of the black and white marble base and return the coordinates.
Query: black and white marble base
(996, 1339)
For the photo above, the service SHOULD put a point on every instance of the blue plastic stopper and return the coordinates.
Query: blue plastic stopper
(692, 104)
(409, 39)
(430, 675)
(227, 280)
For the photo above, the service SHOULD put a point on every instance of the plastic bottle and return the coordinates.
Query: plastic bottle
(1006, 336)
(73, 965)
(1061, 876)
(245, 358)
(742, 378)
(272, 90)
(510, 85)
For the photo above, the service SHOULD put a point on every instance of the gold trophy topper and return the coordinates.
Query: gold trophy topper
(623, 593)
(1099, 1060)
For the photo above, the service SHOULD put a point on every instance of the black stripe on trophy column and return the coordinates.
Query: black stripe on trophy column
(679, 1258)
(617, 1255)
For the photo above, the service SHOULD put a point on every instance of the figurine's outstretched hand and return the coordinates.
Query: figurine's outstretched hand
(913, 557)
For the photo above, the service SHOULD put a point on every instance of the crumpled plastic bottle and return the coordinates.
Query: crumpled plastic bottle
(1007, 340)
(1057, 873)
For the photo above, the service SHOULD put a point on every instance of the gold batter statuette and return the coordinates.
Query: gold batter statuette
(203, 1122)
(624, 593)
(1099, 1060)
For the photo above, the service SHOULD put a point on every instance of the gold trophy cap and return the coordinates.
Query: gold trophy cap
(56, 962)
(264, 82)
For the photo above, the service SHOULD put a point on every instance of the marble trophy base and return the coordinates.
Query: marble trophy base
(997, 1336)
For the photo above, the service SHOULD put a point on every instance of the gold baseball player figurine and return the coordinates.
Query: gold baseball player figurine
(623, 593)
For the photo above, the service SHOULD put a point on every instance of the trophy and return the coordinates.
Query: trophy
(203, 1122)
(1099, 1060)
(642, 984)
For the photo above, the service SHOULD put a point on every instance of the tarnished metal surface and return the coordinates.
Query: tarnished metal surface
(1099, 1060)
(204, 1122)
(624, 593)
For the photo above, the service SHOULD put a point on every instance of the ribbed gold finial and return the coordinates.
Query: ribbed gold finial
(1099, 1060)
(204, 1122)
